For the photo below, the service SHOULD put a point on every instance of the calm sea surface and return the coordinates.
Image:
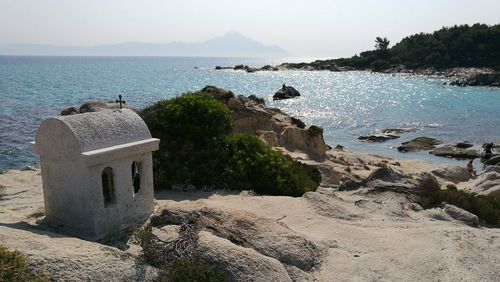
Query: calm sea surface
(346, 104)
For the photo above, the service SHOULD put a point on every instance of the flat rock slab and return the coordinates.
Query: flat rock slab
(377, 137)
(419, 144)
(397, 131)
(455, 152)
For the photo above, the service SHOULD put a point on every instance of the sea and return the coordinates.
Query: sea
(345, 104)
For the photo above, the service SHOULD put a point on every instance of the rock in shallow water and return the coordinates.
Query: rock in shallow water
(377, 137)
(419, 144)
(286, 92)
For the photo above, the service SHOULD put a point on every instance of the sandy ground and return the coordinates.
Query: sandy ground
(368, 238)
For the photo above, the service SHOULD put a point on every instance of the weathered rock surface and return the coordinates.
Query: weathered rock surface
(455, 152)
(461, 215)
(250, 115)
(344, 235)
(419, 144)
(426, 182)
(384, 179)
(328, 205)
(487, 183)
(239, 244)
(455, 174)
(239, 263)
(493, 160)
(286, 92)
(478, 79)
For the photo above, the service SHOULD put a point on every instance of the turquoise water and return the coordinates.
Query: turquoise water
(346, 104)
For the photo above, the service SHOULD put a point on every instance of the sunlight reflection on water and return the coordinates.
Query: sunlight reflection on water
(345, 104)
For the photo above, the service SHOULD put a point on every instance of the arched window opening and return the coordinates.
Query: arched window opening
(136, 176)
(108, 186)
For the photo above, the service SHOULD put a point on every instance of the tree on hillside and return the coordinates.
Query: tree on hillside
(381, 43)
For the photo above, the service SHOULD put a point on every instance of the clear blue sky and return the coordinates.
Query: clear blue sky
(313, 28)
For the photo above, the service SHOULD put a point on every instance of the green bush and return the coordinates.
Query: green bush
(250, 164)
(485, 207)
(190, 270)
(197, 148)
(191, 128)
(380, 64)
(14, 267)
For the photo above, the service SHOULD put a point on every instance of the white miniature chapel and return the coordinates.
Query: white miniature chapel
(97, 171)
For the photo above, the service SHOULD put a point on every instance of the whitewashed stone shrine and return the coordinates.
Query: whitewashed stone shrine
(97, 171)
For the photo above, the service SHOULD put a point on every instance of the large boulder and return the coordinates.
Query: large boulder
(275, 128)
(419, 144)
(380, 176)
(455, 174)
(384, 173)
(488, 183)
(455, 152)
(218, 93)
(384, 179)
(461, 215)
(426, 182)
(245, 230)
(269, 137)
(239, 263)
(307, 140)
(286, 92)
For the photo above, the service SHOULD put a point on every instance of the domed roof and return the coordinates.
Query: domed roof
(75, 134)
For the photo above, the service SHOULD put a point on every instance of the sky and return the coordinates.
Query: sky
(305, 28)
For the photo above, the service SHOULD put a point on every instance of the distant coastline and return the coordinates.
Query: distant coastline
(470, 55)
(231, 44)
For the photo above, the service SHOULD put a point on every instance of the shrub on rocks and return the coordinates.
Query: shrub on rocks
(14, 267)
(190, 127)
(485, 207)
(197, 148)
(253, 165)
(190, 270)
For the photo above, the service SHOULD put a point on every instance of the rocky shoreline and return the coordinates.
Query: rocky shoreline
(364, 222)
(459, 76)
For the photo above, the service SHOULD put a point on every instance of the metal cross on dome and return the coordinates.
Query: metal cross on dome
(120, 101)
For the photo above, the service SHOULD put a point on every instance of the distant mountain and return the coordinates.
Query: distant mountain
(231, 44)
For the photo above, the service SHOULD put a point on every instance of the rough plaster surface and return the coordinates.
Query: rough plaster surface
(93, 131)
(74, 150)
